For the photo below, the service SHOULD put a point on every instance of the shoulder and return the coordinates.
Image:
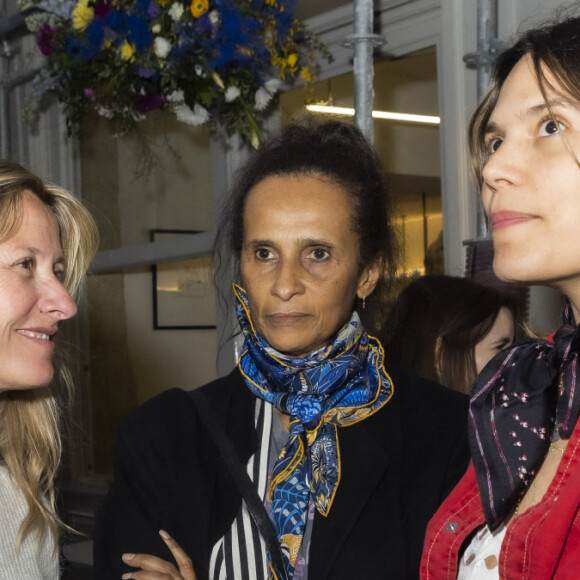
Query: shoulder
(173, 413)
(423, 397)
(171, 419)
(175, 403)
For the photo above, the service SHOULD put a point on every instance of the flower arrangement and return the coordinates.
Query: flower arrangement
(215, 62)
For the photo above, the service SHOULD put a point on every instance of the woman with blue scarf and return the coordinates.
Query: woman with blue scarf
(348, 458)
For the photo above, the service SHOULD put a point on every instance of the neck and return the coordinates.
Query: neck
(284, 419)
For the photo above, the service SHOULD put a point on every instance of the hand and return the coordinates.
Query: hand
(153, 568)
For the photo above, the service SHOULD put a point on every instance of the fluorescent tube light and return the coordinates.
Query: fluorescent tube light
(430, 120)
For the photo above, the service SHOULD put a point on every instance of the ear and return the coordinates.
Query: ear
(369, 278)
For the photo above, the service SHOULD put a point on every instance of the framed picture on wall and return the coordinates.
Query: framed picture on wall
(183, 292)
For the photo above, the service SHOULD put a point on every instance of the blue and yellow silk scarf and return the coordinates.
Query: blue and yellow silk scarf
(338, 385)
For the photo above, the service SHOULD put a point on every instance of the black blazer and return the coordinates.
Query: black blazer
(397, 467)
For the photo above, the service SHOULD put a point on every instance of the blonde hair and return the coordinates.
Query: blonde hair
(30, 437)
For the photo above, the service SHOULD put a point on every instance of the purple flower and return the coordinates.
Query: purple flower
(145, 73)
(148, 102)
(89, 93)
(153, 10)
(101, 10)
(45, 39)
(203, 25)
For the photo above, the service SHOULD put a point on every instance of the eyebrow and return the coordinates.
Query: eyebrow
(36, 251)
(533, 111)
(304, 242)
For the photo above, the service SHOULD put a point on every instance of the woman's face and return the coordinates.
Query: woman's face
(32, 298)
(500, 336)
(531, 190)
(300, 262)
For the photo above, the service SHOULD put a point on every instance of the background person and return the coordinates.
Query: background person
(350, 459)
(47, 240)
(515, 514)
(446, 329)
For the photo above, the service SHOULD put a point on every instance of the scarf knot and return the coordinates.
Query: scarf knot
(520, 398)
(334, 386)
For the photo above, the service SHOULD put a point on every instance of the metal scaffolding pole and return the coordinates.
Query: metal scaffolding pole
(363, 41)
(488, 46)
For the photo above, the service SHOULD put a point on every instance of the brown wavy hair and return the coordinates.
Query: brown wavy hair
(553, 47)
(435, 324)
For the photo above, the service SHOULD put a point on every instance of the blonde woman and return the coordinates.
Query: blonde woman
(47, 240)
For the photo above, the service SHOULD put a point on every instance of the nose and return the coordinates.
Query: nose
(56, 301)
(504, 167)
(288, 279)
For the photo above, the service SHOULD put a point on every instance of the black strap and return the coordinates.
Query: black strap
(245, 484)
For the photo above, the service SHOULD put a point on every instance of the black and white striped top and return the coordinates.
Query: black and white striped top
(241, 553)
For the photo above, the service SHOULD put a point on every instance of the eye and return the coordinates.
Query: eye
(263, 254)
(60, 272)
(493, 145)
(25, 264)
(551, 127)
(319, 254)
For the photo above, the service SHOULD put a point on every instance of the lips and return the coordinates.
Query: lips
(505, 219)
(36, 334)
(286, 318)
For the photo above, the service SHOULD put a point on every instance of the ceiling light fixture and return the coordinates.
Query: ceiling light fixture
(408, 118)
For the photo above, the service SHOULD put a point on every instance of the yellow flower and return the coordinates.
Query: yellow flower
(306, 74)
(291, 60)
(199, 7)
(127, 51)
(163, 2)
(82, 15)
(217, 80)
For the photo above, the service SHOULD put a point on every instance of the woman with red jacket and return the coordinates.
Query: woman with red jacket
(516, 512)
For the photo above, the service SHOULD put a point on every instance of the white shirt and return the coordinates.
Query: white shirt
(481, 557)
(36, 560)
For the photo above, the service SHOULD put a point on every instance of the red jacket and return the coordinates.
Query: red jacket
(542, 543)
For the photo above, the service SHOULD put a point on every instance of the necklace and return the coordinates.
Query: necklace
(556, 450)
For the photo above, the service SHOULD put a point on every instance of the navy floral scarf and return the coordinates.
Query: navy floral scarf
(521, 397)
(338, 385)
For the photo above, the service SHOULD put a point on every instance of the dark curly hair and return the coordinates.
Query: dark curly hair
(337, 152)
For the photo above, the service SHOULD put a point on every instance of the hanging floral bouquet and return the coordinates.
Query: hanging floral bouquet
(218, 62)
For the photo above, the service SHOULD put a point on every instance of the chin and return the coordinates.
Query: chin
(515, 271)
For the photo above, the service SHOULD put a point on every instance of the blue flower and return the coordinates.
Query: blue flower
(139, 31)
(116, 21)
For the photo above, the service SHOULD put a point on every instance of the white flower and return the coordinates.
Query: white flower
(262, 98)
(198, 70)
(176, 11)
(156, 28)
(198, 116)
(175, 97)
(264, 94)
(161, 46)
(273, 85)
(104, 112)
(62, 8)
(232, 93)
(214, 17)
